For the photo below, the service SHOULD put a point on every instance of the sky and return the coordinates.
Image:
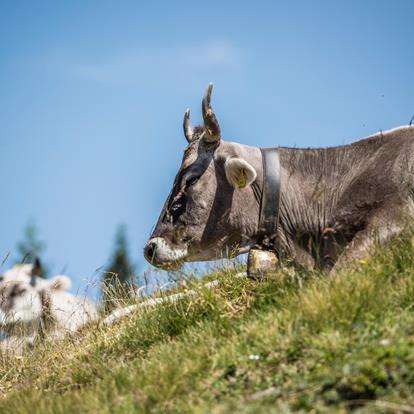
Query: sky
(92, 96)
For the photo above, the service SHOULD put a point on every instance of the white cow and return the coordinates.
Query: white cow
(21, 272)
(32, 307)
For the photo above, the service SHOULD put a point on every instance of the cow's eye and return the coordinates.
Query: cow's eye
(14, 292)
(191, 181)
(17, 291)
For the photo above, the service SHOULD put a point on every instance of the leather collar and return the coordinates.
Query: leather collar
(270, 200)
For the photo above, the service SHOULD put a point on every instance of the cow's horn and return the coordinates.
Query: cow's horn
(210, 121)
(188, 130)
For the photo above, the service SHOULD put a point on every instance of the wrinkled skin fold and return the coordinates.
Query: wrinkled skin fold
(335, 203)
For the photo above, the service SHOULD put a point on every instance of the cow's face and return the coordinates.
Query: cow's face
(22, 300)
(26, 272)
(18, 272)
(212, 210)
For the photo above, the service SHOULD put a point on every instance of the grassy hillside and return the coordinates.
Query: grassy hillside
(295, 342)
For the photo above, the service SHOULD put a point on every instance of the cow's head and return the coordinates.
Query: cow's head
(22, 299)
(213, 208)
(22, 272)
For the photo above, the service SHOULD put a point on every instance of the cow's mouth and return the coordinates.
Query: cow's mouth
(160, 253)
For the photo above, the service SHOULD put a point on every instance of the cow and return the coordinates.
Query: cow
(330, 205)
(32, 308)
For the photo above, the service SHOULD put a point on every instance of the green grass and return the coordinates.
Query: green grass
(315, 343)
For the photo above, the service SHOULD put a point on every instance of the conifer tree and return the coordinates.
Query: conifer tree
(118, 280)
(30, 248)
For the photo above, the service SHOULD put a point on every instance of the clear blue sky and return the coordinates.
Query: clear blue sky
(92, 95)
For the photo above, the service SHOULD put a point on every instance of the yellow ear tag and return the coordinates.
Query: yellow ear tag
(242, 179)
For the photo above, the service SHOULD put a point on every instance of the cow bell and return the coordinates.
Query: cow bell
(261, 263)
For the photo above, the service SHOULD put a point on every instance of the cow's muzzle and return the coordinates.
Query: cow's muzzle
(161, 254)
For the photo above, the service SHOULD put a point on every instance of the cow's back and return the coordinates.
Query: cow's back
(71, 312)
(341, 188)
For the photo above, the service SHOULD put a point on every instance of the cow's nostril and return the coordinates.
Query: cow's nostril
(150, 251)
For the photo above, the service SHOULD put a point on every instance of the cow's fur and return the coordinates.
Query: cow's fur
(32, 307)
(335, 203)
(19, 272)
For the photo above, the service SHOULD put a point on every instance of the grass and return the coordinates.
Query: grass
(296, 342)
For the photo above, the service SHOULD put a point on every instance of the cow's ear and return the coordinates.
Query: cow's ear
(239, 172)
(59, 283)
